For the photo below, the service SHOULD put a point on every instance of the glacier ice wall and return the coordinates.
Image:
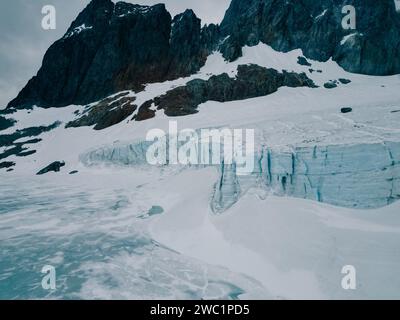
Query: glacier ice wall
(126, 154)
(355, 176)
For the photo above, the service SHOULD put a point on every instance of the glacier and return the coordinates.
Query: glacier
(354, 176)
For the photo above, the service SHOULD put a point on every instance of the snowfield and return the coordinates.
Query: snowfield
(295, 248)
(271, 241)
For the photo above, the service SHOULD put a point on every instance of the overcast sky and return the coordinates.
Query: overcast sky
(23, 42)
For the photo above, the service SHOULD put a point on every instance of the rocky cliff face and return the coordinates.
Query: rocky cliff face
(315, 27)
(114, 47)
(251, 81)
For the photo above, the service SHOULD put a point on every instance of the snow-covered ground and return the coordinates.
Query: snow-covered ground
(95, 226)
(99, 232)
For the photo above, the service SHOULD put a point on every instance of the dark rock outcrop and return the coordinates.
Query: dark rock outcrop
(330, 85)
(106, 113)
(303, 62)
(8, 139)
(6, 164)
(346, 110)
(6, 123)
(315, 27)
(251, 81)
(344, 81)
(145, 112)
(115, 47)
(53, 167)
(17, 148)
(7, 111)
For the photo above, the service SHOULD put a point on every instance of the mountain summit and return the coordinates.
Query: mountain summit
(113, 47)
(315, 26)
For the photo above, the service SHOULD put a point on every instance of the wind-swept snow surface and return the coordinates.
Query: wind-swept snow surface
(99, 231)
(295, 248)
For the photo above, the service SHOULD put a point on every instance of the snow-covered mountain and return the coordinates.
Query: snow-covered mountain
(115, 47)
(324, 105)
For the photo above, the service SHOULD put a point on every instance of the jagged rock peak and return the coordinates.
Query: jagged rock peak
(96, 13)
(100, 12)
(315, 26)
(116, 47)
